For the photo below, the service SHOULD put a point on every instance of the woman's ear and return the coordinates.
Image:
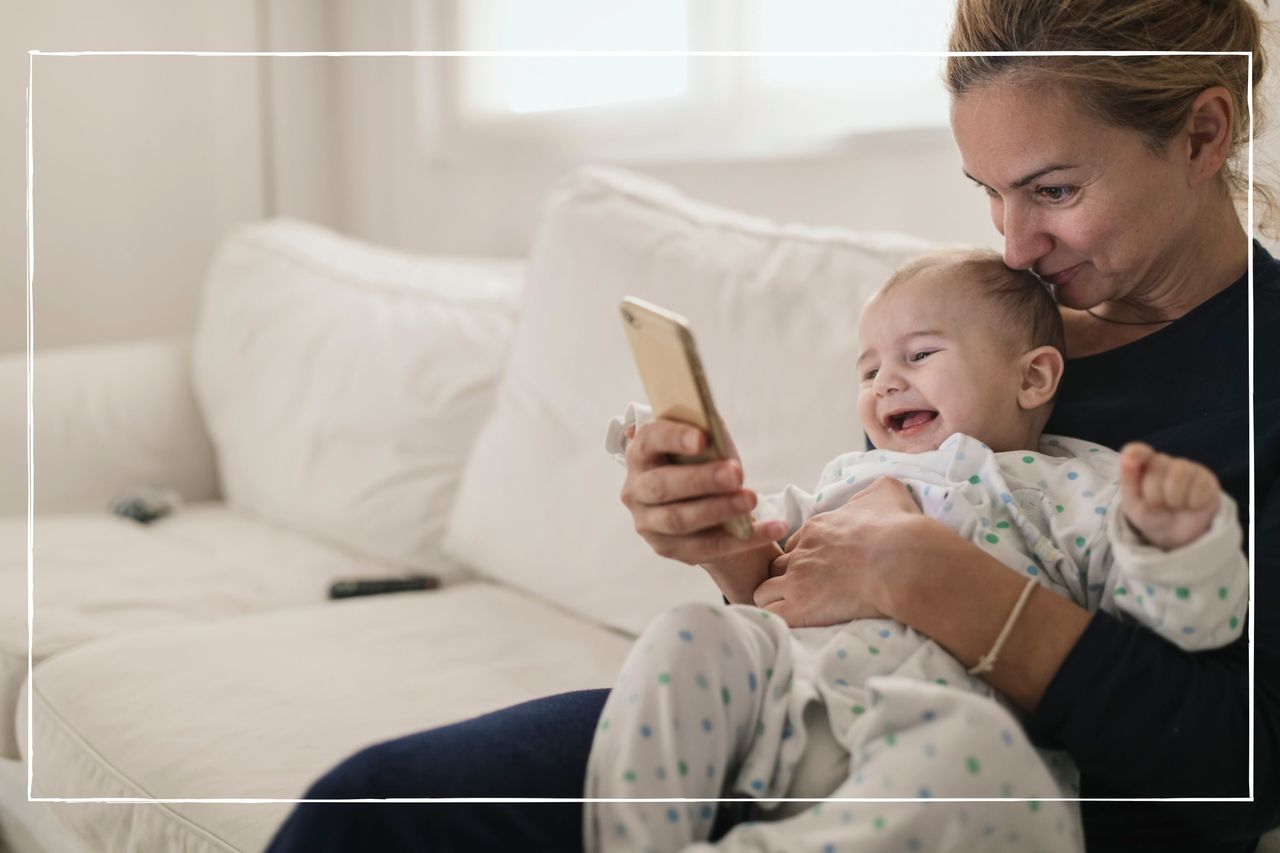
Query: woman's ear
(1041, 373)
(1208, 134)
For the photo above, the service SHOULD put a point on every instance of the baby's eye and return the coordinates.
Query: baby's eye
(921, 355)
(1057, 193)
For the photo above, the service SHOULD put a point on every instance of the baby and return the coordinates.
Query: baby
(960, 362)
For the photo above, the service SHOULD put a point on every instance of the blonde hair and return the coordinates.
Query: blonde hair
(1151, 95)
(1026, 310)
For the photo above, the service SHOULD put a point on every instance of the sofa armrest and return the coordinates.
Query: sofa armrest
(104, 418)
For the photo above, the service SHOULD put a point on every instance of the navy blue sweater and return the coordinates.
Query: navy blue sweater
(1139, 716)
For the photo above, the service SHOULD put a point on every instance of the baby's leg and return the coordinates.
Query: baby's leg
(919, 740)
(699, 710)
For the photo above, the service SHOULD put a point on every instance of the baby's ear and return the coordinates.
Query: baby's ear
(1041, 373)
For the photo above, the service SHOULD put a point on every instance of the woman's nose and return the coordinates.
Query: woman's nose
(1025, 241)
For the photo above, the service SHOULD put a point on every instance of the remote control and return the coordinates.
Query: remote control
(351, 587)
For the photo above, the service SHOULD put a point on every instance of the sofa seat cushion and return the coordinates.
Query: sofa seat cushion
(98, 575)
(278, 698)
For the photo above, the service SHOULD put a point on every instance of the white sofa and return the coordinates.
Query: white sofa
(343, 411)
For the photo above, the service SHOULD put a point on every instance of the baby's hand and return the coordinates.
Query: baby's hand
(1170, 501)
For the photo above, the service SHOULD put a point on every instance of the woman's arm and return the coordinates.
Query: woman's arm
(894, 560)
(1135, 712)
(1153, 721)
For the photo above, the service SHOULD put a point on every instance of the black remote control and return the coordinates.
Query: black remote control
(352, 587)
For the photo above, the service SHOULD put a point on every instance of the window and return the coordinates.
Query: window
(754, 102)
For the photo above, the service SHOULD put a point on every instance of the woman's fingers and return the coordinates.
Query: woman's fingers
(655, 440)
(770, 592)
(680, 518)
(666, 483)
(709, 545)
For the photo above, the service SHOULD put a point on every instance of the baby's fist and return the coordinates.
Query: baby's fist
(1170, 501)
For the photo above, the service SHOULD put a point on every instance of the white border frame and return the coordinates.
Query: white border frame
(31, 267)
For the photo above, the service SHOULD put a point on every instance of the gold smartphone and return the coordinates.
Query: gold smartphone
(675, 383)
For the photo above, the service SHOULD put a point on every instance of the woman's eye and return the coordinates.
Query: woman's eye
(1056, 193)
(870, 374)
(922, 355)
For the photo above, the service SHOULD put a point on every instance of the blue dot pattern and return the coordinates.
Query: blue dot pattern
(1029, 510)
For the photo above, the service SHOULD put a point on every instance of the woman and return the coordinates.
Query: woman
(1112, 178)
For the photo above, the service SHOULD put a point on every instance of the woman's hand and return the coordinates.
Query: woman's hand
(834, 567)
(678, 509)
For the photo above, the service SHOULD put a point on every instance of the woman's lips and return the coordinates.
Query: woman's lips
(1061, 277)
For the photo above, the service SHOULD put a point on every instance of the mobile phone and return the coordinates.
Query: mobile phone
(675, 382)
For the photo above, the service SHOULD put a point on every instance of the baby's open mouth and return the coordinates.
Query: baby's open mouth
(902, 421)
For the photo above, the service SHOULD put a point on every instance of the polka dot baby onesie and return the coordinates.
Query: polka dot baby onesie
(720, 701)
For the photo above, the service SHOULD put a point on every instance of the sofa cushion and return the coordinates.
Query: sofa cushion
(104, 417)
(344, 384)
(99, 576)
(277, 698)
(774, 310)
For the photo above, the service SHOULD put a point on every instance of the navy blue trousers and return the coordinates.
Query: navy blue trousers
(535, 749)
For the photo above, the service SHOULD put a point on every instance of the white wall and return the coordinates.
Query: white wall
(142, 164)
(397, 191)
(139, 163)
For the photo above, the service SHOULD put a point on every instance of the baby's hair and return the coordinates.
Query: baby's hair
(1027, 308)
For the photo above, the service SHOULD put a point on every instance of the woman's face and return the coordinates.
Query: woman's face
(1084, 205)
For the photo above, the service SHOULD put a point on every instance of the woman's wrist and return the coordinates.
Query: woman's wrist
(738, 576)
(960, 596)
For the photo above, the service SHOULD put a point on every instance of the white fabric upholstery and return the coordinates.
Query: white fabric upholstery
(774, 310)
(104, 418)
(278, 698)
(344, 384)
(99, 576)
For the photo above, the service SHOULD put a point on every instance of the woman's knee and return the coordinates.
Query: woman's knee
(359, 776)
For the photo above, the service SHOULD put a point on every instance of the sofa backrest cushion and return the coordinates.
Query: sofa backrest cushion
(105, 417)
(343, 385)
(774, 310)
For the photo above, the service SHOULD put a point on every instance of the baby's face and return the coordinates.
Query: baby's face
(932, 364)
